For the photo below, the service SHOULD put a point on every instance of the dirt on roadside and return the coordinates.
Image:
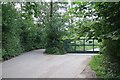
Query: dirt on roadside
(88, 72)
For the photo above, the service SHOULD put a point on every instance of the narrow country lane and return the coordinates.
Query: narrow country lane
(35, 64)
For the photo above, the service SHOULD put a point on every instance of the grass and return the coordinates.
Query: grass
(97, 65)
(90, 47)
(81, 48)
(79, 45)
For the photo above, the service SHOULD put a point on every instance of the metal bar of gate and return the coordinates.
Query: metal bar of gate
(84, 44)
(93, 44)
(75, 45)
(75, 49)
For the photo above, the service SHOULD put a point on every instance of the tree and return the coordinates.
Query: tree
(21, 32)
(10, 31)
(54, 32)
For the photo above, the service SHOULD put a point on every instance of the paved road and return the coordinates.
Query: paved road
(35, 64)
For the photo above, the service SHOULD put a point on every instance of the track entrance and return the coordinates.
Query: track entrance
(82, 46)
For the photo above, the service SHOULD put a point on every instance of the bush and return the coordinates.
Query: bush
(10, 32)
(19, 35)
(31, 36)
(54, 37)
(54, 43)
(105, 68)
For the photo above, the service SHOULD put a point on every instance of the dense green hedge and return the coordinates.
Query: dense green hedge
(106, 68)
(55, 32)
(112, 58)
(10, 32)
(18, 35)
(110, 34)
(31, 36)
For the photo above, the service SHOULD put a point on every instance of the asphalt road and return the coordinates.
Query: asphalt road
(35, 64)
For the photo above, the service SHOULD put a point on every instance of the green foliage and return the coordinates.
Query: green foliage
(10, 35)
(110, 33)
(109, 14)
(105, 68)
(111, 19)
(54, 40)
(19, 34)
(29, 27)
(31, 36)
(97, 65)
(55, 32)
(100, 20)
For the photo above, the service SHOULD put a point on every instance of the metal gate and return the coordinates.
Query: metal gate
(81, 46)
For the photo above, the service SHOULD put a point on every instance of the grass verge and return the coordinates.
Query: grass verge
(104, 68)
(97, 65)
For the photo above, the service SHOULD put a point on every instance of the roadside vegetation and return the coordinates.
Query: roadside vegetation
(105, 68)
(19, 33)
(29, 25)
(97, 65)
(107, 65)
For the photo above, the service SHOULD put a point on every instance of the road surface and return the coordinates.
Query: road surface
(35, 64)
